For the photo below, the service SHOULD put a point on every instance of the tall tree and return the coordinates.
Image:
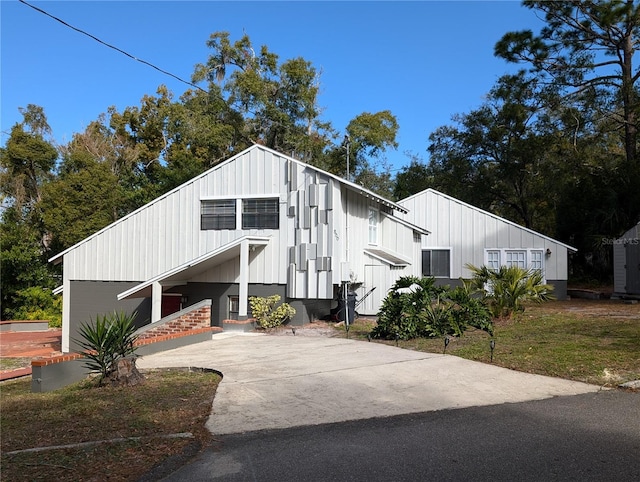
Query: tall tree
(26, 163)
(83, 199)
(587, 48)
(277, 101)
(27, 160)
(412, 179)
(369, 136)
(498, 158)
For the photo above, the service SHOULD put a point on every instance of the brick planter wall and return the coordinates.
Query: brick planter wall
(60, 370)
(200, 317)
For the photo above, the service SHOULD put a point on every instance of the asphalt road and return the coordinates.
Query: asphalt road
(587, 437)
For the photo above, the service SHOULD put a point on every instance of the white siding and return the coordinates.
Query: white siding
(166, 232)
(323, 223)
(469, 232)
(620, 259)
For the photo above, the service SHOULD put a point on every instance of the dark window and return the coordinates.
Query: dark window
(260, 214)
(436, 262)
(218, 214)
(234, 307)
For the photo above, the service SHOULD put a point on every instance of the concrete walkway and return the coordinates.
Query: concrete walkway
(273, 382)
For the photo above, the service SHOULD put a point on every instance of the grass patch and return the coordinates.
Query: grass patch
(589, 341)
(13, 363)
(170, 401)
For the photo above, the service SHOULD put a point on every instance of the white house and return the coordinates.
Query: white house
(260, 223)
(626, 264)
(463, 234)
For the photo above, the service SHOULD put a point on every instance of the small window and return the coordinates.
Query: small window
(436, 263)
(373, 226)
(516, 258)
(218, 214)
(536, 260)
(493, 260)
(260, 214)
(234, 307)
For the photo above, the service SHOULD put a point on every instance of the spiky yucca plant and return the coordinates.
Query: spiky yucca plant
(106, 340)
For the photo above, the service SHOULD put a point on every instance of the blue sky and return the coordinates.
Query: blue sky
(422, 60)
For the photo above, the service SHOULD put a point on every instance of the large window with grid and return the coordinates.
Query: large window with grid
(436, 263)
(516, 258)
(260, 213)
(218, 214)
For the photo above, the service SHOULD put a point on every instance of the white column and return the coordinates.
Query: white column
(66, 313)
(156, 301)
(243, 293)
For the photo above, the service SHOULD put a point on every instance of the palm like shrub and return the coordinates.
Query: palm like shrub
(509, 288)
(106, 340)
(416, 307)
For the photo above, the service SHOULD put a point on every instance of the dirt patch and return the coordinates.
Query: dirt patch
(316, 328)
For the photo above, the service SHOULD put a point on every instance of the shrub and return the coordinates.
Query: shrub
(262, 309)
(105, 341)
(36, 303)
(415, 307)
(508, 288)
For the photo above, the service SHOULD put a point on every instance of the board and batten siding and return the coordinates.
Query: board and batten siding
(166, 232)
(469, 232)
(623, 268)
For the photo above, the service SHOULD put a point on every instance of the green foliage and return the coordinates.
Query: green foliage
(83, 199)
(106, 340)
(412, 179)
(36, 303)
(23, 262)
(415, 307)
(262, 309)
(26, 161)
(508, 288)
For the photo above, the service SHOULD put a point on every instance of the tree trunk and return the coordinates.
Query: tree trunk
(126, 373)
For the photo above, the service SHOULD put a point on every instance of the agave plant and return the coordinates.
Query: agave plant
(106, 340)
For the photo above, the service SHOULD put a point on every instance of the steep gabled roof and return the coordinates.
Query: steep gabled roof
(487, 213)
(349, 185)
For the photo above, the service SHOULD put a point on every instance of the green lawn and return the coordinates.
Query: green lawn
(590, 341)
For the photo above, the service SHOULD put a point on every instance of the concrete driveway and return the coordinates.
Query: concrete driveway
(276, 381)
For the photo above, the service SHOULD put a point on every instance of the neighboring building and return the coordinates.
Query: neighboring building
(258, 224)
(463, 234)
(626, 264)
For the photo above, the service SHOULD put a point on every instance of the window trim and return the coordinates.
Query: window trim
(233, 299)
(438, 248)
(218, 216)
(373, 228)
(260, 216)
(502, 257)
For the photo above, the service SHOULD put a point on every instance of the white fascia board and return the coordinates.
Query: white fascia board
(415, 227)
(487, 213)
(252, 240)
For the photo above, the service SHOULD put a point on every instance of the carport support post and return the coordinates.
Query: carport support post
(243, 289)
(156, 301)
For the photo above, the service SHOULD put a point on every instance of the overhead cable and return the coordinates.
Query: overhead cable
(112, 46)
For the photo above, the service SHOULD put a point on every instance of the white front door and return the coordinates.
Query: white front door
(374, 276)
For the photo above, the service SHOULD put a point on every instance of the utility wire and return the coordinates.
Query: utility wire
(132, 56)
(112, 46)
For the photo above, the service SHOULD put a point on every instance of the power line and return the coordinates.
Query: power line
(112, 46)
